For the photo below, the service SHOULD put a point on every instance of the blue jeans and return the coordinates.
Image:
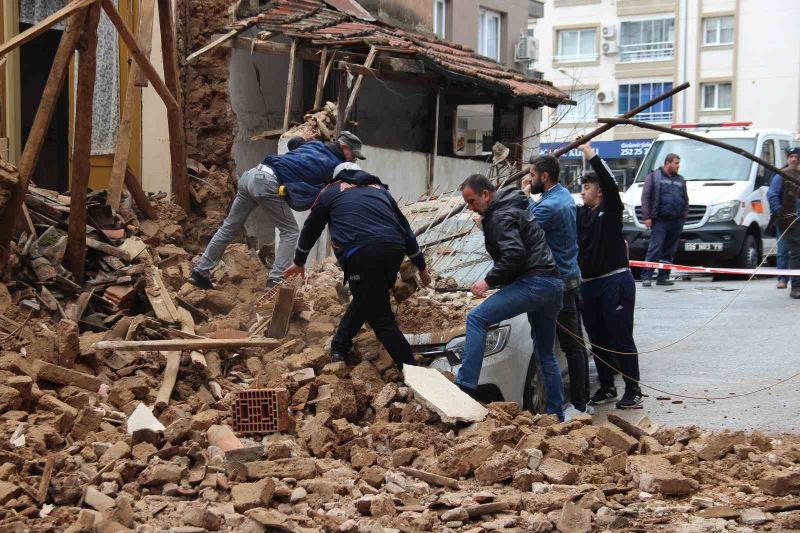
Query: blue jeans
(782, 254)
(541, 298)
(664, 238)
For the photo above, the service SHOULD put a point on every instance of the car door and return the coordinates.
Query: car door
(757, 202)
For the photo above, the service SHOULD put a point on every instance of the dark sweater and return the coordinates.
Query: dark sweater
(601, 244)
(305, 170)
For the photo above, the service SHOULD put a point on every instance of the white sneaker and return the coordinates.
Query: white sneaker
(571, 412)
(589, 410)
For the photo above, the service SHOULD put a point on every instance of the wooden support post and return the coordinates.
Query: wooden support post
(133, 92)
(357, 87)
(27, 162)
(215, 42)
(139, 196)
(287, 109)
(43, 25)
(177, 134)
(186, 344)
(75, 254)
(281, 313)
(435, 147)
(321, 79)
(341, 98)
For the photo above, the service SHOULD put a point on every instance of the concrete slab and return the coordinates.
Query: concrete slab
(442, 396)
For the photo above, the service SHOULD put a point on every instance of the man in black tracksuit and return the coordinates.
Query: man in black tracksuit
(608, 289)
(370, 237)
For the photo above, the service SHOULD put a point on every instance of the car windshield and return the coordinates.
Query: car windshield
(701, 161)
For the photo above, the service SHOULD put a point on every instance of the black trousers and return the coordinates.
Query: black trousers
(608, 305)
(371, 273)
(574, 349)
(793, 239)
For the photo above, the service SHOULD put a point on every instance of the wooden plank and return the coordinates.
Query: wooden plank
(47, 475)
(160, 298)
(75, 254)
(321, 79)
(144, 36)
(177, 134)
(287, 108)
(433, 479)
(341, 98)
(215, 42)
(44, 25)
(139, 196)
(409, 79)
(475, 511)
(186, 344)
(107, 249)
(133, 93)
(435, 147)
(187, 326)
(66, 376)
(169, 378)
(357, 87)
(281, 313)
(41, 123)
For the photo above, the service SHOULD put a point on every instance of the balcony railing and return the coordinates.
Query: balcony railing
(655, 116)
(631, 53)
(573, 58)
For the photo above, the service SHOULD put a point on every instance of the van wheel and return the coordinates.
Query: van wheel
(748, 257)
(534, 396)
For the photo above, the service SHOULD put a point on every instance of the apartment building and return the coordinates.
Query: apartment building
(742, 58)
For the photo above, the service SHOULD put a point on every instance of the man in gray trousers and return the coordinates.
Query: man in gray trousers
(279, 184)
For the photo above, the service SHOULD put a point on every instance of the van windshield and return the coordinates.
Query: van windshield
(700, 161)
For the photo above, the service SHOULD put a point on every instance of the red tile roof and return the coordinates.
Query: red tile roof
(314, 21)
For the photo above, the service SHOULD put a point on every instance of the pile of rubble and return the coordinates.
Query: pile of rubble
(88, 442)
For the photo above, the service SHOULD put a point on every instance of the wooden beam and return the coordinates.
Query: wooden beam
(399, 77)
(47, 475)
(169, 378)
(435, 147)
(341, 98)
(139, 196)
(321, 79)
(287, 108)
(44, 25)
(215, 42)
(47, 104)
(187, 344)
(133, 93)
(357, 87)
(281, 313)
(144, 36)
(138, 56)
(75, 254)
(177, 133)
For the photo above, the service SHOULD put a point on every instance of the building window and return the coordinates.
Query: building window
(577, 45)
(716, 96)
(718, 30)
(647, 40)
(439, 14)
(489, 34)
(585, 110)
(474, 135)
(632, 95)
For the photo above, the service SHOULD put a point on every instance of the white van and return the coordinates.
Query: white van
(728, 209)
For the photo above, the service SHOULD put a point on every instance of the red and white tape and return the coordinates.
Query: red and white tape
(765, 271)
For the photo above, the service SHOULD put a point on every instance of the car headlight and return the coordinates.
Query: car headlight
(496, 340)
(626, 214)
(724, 211)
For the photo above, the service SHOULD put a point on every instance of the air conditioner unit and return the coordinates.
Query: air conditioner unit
(609, 48)
(605, 96)
(526, 49)
(609, 32)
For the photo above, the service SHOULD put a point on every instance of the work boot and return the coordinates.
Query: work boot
(603, 395)
(795, 293)
(337, 356)
(266, 254)
(665, 282)
(631, 399)
(200, 281)
(781, 285)
(472, 393)
(646, 283)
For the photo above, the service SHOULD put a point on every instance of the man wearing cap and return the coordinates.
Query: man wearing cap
(785, 206)
(370, 237)
(279, 184)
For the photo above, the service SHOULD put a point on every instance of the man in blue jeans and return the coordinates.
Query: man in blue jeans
(556, 214)
(525, 272)
(785, 207)
(665, 204)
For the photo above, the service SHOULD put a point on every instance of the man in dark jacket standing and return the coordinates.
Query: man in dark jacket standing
(370, 236)
(665, 205)
(279, 184)
(608, 289)
(784, 204)
(525, 272)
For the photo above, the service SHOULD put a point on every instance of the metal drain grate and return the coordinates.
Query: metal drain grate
(259, 411)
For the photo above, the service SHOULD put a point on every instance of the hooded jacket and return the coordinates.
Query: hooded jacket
(360, 211)
(514, 240)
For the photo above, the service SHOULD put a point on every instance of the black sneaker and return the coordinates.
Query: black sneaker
(665, 282)
(631, 399)
(273, 282)
(646, 283)
(795, 293)
(603, 396)
(337, 357)
(472, 393)
(200, 281)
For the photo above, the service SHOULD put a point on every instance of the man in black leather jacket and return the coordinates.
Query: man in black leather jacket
(525, 272)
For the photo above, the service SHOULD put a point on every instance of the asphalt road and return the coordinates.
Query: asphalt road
(753, 343)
